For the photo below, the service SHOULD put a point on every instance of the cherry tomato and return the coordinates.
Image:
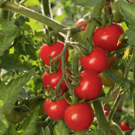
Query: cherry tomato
(79, 116)
(14, 117)
(112, 61)
(80, 21)
(89, 85)
(125, 127)
(53, 79)
(106, 111)
(52, 51)
(107, 37)
(117, 16)
(107, 81)
(97, 60)
(55, 110)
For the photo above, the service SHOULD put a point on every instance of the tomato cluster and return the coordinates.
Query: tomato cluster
(79, 115)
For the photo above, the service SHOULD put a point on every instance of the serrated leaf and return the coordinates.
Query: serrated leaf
(9, 92)
(28, 126)
(8, 33)
(4, 125)
(60, 128)
(97, 132)
(12, 61)
(128, 11)
(86, 2)
(130, 34)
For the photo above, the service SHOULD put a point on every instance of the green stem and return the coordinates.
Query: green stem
(101, 118)
(116, 128)
(95, 14)
(1, 1)
(133, 97)
(4, 14)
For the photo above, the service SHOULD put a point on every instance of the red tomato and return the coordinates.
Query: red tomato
(89, 85)
(112, 61)
(97, 60)
(125, 127)
(53, 79)
(55, 110)
(53, 51)
(79, 116)
(80, 21)
(107, 37)
(106, 111)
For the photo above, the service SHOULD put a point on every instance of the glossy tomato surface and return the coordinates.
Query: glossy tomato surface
(89, 85)
(97, 60)
(53, 79)
(79, 116)
(56, 109)
(125, 127)
(80, 21)
(107, 37)
(52, 51)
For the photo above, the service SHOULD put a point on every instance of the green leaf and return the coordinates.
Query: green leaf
(32, 3)
(81, 132)
(130, 34)
(13, 61)
(60, 128)
(8, 32)
(4, 125)
(97, 132)
(28, 126)
(12, 130)
(128, 11)
(9, 92)
(106, 100)
(86, 2)
(45, 131)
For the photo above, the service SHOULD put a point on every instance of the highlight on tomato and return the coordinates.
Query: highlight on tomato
(80, 21)
(107, 37)
(55, 110)
(52, 51)
(79, 116)
(97, 60)
(90, 85)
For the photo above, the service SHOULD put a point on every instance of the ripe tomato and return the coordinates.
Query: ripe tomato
(97, 60)
(53, 79)
(53, 51)
(112, 61)
(117, 16)
(13, 116)
(107, 81)
(107, 37)
(80, 21)
(55, 110)
(106, 111)
(125, 127)
(79, 116)
(89, 85)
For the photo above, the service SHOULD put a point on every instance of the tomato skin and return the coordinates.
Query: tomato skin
(79, 116)
(55, 110)
(97, 60)
(106, 111)
(125, 127)
(107, 81)
(53, 51)
(13, 116)
(80, 21)
(53, 79)
(107, 37)
(112, 61)
(89, 85)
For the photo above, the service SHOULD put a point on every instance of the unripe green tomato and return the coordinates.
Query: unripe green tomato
(117, 17)
(13, 116)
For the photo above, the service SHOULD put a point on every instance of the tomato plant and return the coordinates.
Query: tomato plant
(107, 37)
(80, 21)
(97, 60)
(90, 85)
(55, 109)
(125, 127)
(112, 61)
(52, 79)
(52, 51)
(79, 116)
